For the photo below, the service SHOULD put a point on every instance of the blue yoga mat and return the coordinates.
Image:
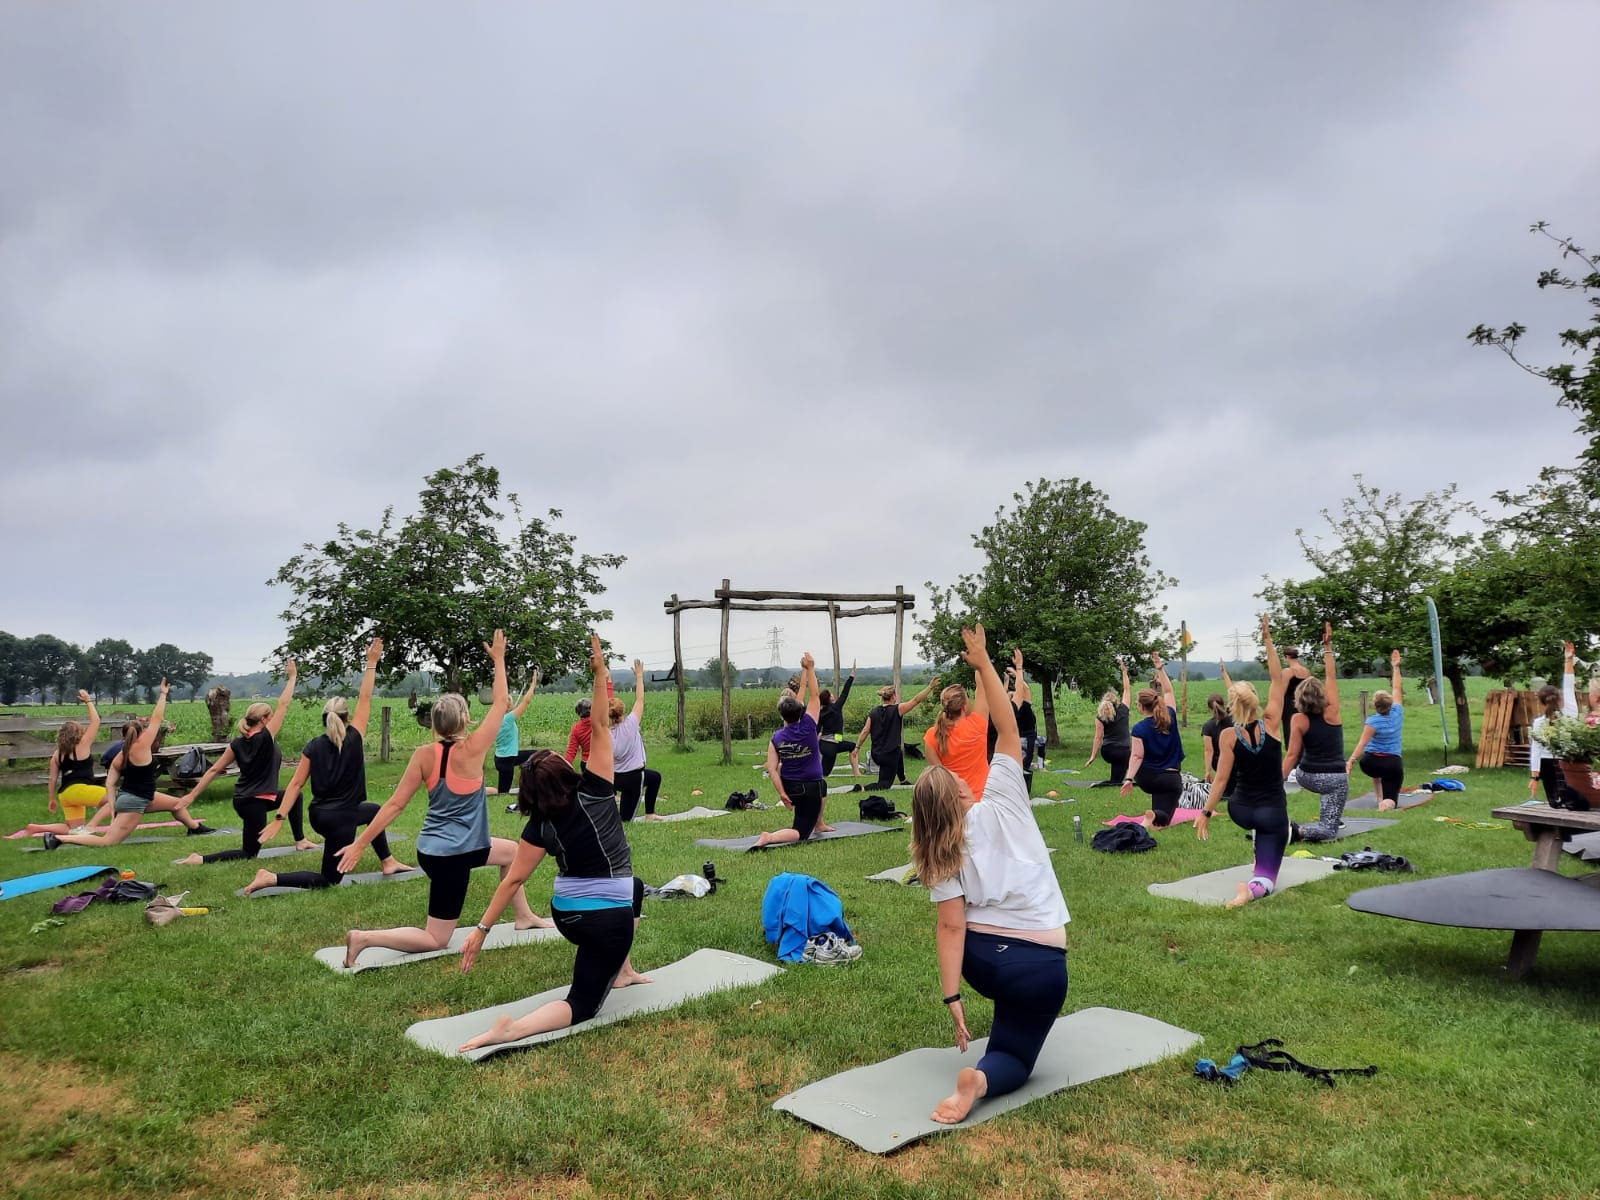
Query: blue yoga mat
(10, 889)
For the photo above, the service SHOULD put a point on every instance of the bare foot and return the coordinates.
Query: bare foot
(535, 922)
(1244, 897)
(499, 1032)
(303, 844)
(1386, 805)
(825, 829)
(192, 860)
(395, 867)
(354, 943)
(262, 879)
(971, 1085)
(654, 817)
(761, 842)
(628, 977)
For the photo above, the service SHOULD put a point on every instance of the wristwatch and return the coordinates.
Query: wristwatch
(956, 999)
(481, 927)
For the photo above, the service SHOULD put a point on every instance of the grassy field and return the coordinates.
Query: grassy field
(216, 1058)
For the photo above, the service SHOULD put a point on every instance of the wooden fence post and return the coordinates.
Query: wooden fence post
(727, 684)
(833, 629)
(385, 740)
(899, 629)
(1363, 706)
(677, 662)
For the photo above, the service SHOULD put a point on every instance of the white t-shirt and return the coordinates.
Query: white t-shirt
(627, 744)
(1569, 708)
(1006, 874)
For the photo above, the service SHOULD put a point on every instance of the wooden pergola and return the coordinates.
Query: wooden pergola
(728, 601)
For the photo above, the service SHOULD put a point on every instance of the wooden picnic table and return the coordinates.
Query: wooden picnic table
(1546, 828)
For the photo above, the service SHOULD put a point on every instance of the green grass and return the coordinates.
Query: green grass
(216, 1058)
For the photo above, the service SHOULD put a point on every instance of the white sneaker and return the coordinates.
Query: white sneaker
(829, 949)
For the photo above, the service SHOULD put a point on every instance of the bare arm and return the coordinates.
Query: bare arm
(1298, 724)
(1361, 745)
(1397, 683)
(1023, 692)
(1099, 736)
(1272, 718)
(148, 735)
(526, 862)
(1569, 685)
(1006, 740)
(601, 760)
(86, 742)
(302, 772)
(215, 769)
(808, 686)
(1135, 762)
(1202, 823)
(410, 784)
(1168, 696)
(1127, 684)
(1330, 677)
(1227, 680)
(55, 775)
(369, 680)
(907, 705)
(866, 731)
(527, 697)
(1207, 749)
(281, 712)
(477, 743)
(113, 773)
(775, 774)
(951, 939)
(638, 689)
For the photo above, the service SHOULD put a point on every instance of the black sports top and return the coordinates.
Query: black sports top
(830, 720)
(1026, 722)
(1322, 747)
(338, 777)
(887, 730)
(1257, 766)
(136, 780)
(259, 759)
(75, 770)
(1213, 730)
(586, 839)
(1116, 730)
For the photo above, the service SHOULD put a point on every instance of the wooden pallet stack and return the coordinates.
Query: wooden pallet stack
(1507, 720)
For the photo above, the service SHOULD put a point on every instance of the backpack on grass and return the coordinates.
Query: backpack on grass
(878, 808)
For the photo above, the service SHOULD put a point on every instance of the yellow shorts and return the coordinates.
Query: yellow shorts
(77, 799)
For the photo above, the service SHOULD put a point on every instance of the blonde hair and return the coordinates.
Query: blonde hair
(938, 826)
(886, 694)
(258, 713)
(1311, 699)
(67, 742)
(1382, 702)
(952, 705)
(335, 719)
(450, 715)
(1244, 704)
(1108, 706)
(1150, 704)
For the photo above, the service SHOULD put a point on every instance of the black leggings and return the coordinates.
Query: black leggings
(505, 771)
(1117, 759)
(253, 812)
(1555, 783)
(1387, 770)
(831, 751)
(448, 877)
(628, 785)
(1030, 742)
(1028, 984)
(337, 824)
(891, 766)
(806, 795)
(1165, 789)
(1270, 823)
(604, 938)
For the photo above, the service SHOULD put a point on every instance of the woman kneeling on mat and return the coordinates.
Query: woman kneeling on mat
(1378, 751)
(794, 762)
(1316, 746)
(1112, 741)
(628, 754)
(1002, 921)
(597, 900)
(886, 730)
(71, 783)
(1157, 751)
(1252, 756)
(455, 834)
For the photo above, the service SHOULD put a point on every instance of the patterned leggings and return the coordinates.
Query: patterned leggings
(1334, 788)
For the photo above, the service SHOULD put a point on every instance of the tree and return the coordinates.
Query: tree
(108, 667)
(11, 669)
(711, 675)
(436, 585)
(194, 668)
(155, 664)
(49, 662)
(1066, 579)
(1384, 555)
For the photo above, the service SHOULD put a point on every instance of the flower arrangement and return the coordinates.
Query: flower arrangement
(1573, 739)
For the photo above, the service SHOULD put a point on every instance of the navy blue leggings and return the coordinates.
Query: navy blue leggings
(1271, 825)
(1028, 984)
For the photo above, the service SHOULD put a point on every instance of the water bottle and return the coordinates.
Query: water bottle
(1077, 828)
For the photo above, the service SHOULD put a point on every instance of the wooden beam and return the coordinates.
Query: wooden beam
(833, 629)
(898, 596)
(880, 610)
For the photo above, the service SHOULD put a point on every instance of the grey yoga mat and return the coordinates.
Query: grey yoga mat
(841, 830)
(1585, 845)
(700, 974)
(268, 852)
(907, 874)
(142, 841)
(1218, 887)
(1356, 826)
(502, 935)
(363, 877)
(697, 813)
(1369, 801)
(885, 1106)
(1501, 898)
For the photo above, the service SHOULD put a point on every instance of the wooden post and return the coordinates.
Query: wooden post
(899, 629)
(833, 628)
(385, 741)
(1363, 707)
(1183, 673)
(677, 662)
(727, 684)
(748, 731)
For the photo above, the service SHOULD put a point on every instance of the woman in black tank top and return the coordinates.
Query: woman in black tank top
(71, 785)
(1316, 747)
(1252, 756)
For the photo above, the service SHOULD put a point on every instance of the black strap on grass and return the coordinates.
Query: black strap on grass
(1268, 1056)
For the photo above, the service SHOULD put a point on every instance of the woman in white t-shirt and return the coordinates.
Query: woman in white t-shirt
(1545, 767)
(1002, 921)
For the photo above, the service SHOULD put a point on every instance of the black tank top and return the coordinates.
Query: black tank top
(1116, 730)
(1257, 766)
(1289, 709)
(76, 770)
(1322, 747)
(138, 781)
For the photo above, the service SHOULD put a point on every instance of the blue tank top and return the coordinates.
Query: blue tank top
(457, 822)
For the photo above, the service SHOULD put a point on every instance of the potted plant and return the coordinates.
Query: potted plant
(1575, 741)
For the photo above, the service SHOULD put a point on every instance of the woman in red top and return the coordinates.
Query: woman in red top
(958, 740)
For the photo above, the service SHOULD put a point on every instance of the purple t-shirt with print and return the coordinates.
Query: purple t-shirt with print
(799, 756)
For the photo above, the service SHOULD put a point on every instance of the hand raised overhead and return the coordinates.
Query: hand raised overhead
(497, 646)
(976, 644)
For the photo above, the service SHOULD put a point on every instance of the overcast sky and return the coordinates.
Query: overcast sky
(795, 295)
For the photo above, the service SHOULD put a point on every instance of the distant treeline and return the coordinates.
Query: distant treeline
(33, 668)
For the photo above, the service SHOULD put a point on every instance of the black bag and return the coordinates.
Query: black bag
(1128, 838)
(739, 801)
(878, 808)
(192, 764)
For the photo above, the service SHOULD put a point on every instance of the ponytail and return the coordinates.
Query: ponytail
(952, 704)
(335, 718)
(1162, 718)
(1108, 708)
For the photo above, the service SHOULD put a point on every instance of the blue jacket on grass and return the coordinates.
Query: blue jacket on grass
(795, 909)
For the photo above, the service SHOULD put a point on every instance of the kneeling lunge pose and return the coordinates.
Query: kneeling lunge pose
(1378, 751)
(628, 754)
(1157, 751)
(597, 899)
(1002, 920)
(885, 728)
(71, 782)
(794, 762)
(1316, 746)
(455, 834)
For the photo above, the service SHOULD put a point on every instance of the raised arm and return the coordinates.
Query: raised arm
(1023, 693)
(148, 735)
(281, 712)
(1168, 696)
(477, 743)
(638, 690)
(1227, 680)
(527, 696)
(1397, 682)
(369, 680)
(86, 742)
(808, 686)
(1330, 676)
(907, 705)
(1569, 684)
(601, 760)
(1280, 682)
(844, 692)
(1127, 684)
(1001, 713)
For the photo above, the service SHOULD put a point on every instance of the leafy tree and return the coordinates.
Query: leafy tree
(155, 664)
(1384, 554)
(108, 667)
(1063, 577)
(711, 675)
(49, 662)
(435, 585)
(194, 669)
(11, 668)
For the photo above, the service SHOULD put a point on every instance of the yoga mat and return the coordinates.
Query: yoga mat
(502, 935)
(1087, 783)
(138, 841)
(26, 885)
(1356, 826)
(363, 877)
(1178, 818)
(701, 974)
(885, 1106)
(1503, 898)
(267, 852)
(23, 833)
(843, 789)
(1585, 845)
(1218, 887)
(697, 813)
(1369, 802)
(842, 830)
(906, 875)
